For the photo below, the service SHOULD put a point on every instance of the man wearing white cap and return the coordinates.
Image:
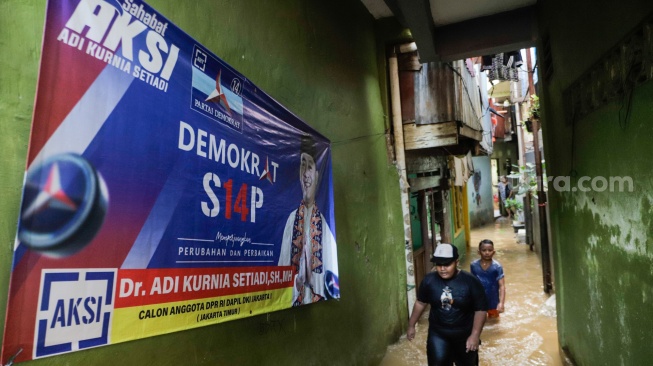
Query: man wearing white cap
(458, 311)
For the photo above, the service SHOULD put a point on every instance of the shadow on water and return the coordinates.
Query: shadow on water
(526, 332)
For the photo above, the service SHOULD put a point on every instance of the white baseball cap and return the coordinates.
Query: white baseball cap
(444, 254)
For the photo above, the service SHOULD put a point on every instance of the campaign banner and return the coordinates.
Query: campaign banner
(164, 190)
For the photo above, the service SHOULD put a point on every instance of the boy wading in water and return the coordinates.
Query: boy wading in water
(490, 273)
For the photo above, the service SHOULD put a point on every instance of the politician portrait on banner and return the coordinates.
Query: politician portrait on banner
(164, 191)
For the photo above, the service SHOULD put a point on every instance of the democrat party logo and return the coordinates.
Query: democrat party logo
(74, 310)
(64, 204)
(268, 174)
(216, 92)
(332, 285)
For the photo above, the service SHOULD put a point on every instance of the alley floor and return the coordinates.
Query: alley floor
(526, 332)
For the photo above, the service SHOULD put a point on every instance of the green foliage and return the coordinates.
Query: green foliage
(514, 205)
(527, 179)
(534, 110)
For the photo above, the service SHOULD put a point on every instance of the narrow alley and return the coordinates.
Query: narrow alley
(251, 183)
(525, 334)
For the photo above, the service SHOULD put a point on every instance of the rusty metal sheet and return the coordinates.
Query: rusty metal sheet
(435, 94)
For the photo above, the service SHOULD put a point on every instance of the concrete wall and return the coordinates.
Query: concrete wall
(602, 241)
(319, 59)
(479, 193)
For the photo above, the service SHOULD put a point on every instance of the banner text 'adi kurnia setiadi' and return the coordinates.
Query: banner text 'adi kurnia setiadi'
(164, 191)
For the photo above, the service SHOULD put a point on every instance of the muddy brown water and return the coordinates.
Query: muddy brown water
(526, 332)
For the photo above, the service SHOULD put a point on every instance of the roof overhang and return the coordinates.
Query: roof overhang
(445, 31)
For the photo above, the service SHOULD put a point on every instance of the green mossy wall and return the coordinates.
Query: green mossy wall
(321, 61)
(461, 243)
(602, 241)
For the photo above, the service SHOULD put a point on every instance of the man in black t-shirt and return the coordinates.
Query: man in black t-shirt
(458, 311)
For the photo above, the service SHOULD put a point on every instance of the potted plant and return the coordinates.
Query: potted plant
(534, 109)
(516, 211)
(527, 179)
(515, 208)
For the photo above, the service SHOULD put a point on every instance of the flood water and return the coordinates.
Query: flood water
(525, 334)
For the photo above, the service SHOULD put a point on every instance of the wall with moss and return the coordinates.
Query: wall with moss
(461, 243)
(602, 239)
(320, 60)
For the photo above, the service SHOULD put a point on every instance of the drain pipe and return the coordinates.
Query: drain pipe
(400, 160)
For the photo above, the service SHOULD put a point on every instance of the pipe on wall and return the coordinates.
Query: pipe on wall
(400, 162)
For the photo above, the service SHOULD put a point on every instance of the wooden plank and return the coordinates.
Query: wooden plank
(421, 183)
(426, 239)
(418, 259)
(427, 163)
(431, 135)
(471, 133)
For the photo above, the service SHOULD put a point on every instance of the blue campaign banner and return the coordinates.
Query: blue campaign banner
(164, 190)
